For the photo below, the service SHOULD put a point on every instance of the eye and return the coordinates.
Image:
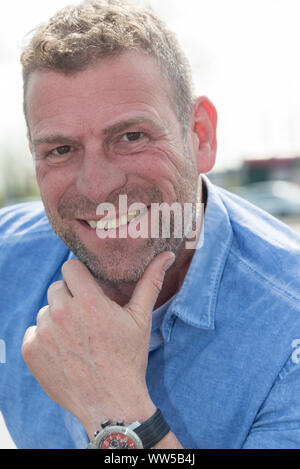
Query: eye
(133, 136)
(61, 150)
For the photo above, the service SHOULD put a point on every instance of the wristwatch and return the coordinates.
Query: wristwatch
(137, 435)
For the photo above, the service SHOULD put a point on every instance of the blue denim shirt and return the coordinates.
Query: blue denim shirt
(226, 372)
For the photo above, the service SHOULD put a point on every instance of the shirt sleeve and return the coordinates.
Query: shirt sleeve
(277, 425)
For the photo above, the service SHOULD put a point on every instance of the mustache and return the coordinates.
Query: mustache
(80, 206)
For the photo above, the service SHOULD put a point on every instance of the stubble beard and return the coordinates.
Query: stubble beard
(121, 265)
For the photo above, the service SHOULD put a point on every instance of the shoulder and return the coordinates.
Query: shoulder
(29, 249)
(23, 219)
(266, 248)
(25, 230)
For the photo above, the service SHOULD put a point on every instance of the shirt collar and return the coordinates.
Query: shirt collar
(195, 302)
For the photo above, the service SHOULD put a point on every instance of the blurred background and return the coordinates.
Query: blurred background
(245, 58)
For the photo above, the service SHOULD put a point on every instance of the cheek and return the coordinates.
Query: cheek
(155, 164)
(40, 173)
(52, 184)
(154, 172)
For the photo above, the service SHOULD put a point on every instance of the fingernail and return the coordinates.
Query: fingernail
(169, 262)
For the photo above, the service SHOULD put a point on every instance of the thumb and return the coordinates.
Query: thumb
(149, 286)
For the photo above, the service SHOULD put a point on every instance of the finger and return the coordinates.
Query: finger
(79, 280)
(30, 332)
(27, 341)
(58, 294)
(149, 287)
(43, 312)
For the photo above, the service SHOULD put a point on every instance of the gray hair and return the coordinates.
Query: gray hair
(79, 35)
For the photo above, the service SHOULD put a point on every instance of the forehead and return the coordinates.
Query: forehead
(131, 81)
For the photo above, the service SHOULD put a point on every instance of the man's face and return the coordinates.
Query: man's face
(104, 132)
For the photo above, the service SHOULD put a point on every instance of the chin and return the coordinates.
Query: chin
(109, 267)
(119, 275)
(122, 265)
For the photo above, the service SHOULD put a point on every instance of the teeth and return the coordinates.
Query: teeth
(132, 216)
(114, 223)
(93, 224)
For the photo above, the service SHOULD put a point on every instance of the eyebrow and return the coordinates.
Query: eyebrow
(120, 127)
(53, 139)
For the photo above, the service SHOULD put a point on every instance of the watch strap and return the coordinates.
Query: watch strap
(152, 430)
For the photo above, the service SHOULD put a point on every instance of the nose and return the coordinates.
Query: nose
(98, 177)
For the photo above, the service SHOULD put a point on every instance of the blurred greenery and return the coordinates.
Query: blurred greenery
(17, 178)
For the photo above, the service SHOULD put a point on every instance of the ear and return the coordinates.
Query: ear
(204, 132)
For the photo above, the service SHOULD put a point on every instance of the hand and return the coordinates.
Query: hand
(88, 353)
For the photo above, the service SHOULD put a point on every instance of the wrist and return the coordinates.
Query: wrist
(140, 410)
(137, 435)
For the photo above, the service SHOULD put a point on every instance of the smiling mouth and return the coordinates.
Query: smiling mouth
(114, 223)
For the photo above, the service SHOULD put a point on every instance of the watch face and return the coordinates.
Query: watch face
(118, 437)
(117, 441)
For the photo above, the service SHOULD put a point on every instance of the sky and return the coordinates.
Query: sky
(244, 57)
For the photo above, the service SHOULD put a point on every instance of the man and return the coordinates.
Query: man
(129, 325)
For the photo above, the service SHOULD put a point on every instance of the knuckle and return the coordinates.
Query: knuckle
(56, 285)
(156, 284)
(42, 312)
(28, 345)
(27, 352)
(132, 308)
